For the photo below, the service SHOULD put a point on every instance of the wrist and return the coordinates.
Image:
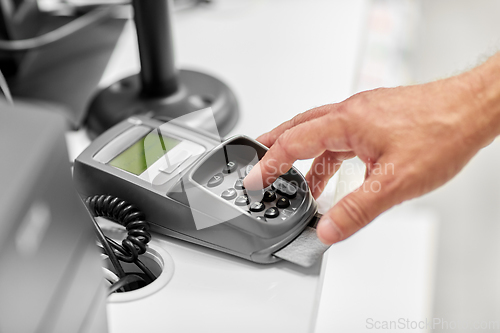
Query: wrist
(481, 92)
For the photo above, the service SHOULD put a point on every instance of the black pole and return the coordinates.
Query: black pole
(154, 32)
(147, 92)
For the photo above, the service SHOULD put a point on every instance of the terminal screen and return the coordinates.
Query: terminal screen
(142, 154)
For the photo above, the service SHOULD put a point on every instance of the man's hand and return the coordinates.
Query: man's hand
(412, 139)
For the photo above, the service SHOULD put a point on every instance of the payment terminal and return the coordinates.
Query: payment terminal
(189, 185)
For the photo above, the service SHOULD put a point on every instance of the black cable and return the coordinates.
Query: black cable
(5, 89)
(147, 272)
(135, 244)
(137, 262)
(120, 211)
(125, 281)
(109, 251)
(84, 21)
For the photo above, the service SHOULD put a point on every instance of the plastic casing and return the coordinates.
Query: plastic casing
(166, 206)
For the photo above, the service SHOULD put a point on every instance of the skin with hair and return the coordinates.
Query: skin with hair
(427, 133)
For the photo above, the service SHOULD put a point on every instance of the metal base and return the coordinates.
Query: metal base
(196, 91)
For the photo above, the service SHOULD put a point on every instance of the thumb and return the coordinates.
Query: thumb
(357, 209)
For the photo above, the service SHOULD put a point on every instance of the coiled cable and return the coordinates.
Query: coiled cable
(129, 216)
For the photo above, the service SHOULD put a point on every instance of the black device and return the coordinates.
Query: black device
(67, 70)
(50, 270)
(19, 19)
(189, 186)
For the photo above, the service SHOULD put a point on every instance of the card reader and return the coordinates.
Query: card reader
(189, 185)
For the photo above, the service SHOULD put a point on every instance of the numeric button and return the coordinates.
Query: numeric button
(239, 184)
(269, 196)
(216, 180)
(257, 207)
(283, 202)
(242, 200)
(272, 213)
(248, 168)
(229, 194)
(229, 167)
(285, 188)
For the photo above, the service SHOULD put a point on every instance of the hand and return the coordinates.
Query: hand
(412, 140)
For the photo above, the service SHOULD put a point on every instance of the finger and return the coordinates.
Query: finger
(307, 140)
(357, 209)
(369, 167)
(268, 139)
(323, 168)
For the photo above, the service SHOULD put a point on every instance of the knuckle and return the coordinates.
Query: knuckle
(411, 181)
(319, 111)
(305, 116)
(360, 102)
(342, 113)
(345, 156)
(286, 144)
(342, 108)
(299, 118)
(296, 119)
(341, 124)
(353, 208)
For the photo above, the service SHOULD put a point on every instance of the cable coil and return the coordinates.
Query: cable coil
(130, 217)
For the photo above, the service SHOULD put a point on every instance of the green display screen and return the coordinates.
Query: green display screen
(142, 154)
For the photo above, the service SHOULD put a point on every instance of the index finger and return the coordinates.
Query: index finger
(307, 140)
(269, 138)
